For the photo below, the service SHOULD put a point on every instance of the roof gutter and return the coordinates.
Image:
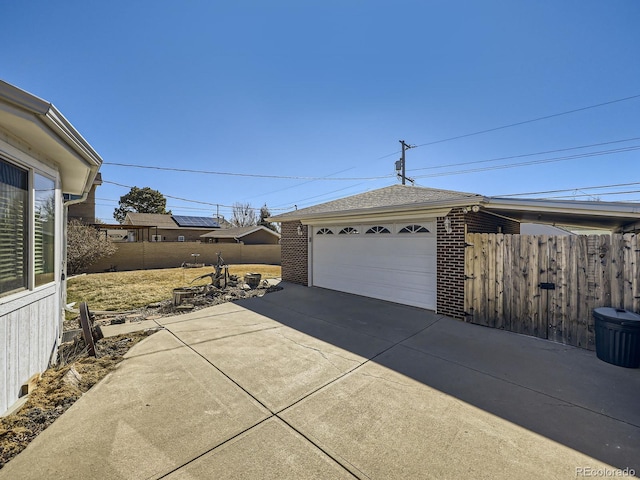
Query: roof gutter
(609, 209)
(56, 122)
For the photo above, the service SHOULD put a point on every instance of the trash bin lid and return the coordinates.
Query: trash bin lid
(616, 315)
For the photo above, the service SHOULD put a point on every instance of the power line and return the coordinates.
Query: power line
(299, 202)
(502, 127)
(532, 162)
(526, 154)
(252, 175)
(570, 189)
(186, 199)
(592, 195)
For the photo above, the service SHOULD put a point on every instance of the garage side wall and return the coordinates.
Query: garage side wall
(450, 257)
(450, 265)
(294, 253)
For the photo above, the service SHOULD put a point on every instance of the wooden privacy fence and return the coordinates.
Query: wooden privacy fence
(547, 286)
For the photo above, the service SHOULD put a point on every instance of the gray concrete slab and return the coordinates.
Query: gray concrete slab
(384, 320)
(271, 450)
(595, 434)
(279, 366)
(209, 312)
(163, 406)
(214, 325)
(379, 423)
(574, 375)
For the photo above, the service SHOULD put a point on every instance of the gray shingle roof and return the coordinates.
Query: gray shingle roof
(236, 232)
(387, 197)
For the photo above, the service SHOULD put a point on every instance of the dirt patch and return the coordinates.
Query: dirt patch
(203, 296)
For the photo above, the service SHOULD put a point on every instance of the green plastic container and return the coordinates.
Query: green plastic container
(617, 336)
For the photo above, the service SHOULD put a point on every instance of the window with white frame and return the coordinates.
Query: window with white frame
(181, 238)
(348, 231)
(27, 229)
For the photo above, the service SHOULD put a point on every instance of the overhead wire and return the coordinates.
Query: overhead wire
(497, 159)
(596, 187)
(185, 199)
(515, 124)
(325, 178)
(532, 162)
(251, 175)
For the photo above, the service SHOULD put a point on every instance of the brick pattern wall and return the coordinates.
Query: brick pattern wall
(294, 253)
(482, 222)
(450, 265)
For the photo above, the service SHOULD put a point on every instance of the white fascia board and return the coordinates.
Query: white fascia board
(378, 217)
(606, 209)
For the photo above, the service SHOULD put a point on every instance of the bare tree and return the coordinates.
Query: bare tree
(242, 215)
(85, 245)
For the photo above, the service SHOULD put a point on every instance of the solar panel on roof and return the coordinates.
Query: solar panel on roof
(200, 222)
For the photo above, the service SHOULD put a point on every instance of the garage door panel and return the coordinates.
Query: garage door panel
(389, 267)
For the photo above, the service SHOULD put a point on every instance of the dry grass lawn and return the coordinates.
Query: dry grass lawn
(120, 291)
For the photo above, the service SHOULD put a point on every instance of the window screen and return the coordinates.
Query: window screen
(44, 232)
(14, 201)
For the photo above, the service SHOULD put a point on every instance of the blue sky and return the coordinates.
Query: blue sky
(328, 88)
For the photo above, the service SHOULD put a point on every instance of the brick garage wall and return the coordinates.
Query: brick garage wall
(451, 249)
(150, 255)
(482, 222)
(450, 265)
(295, 253)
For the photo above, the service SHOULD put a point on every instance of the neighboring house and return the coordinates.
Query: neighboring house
(169, 228)
(406, 244)
(254, 235)
(542, 229)
(86, 211)
(45, 165)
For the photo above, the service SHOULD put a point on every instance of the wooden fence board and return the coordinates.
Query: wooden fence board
(554, 297)
(616, 273)
(498, 282)
(504, 273)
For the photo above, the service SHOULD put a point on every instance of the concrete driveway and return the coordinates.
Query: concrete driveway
(308, 383)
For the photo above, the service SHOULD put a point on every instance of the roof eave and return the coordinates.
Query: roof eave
(426, 208)
(51, 128)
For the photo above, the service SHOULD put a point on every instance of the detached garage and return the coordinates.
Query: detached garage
(400, 243)
(407, 244)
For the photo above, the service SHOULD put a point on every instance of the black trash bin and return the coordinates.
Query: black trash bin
(617, 336)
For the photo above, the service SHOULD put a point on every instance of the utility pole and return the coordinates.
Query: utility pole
(401, 165)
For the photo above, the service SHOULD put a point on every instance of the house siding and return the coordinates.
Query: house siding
(295, 253)
(31, 319)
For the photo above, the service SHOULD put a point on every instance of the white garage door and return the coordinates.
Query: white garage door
(394, 262)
